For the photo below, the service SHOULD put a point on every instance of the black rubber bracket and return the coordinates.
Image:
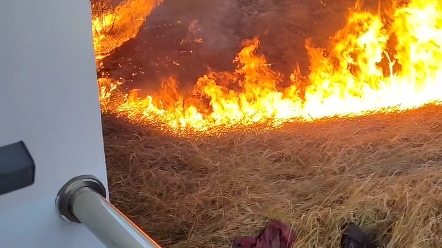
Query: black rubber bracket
(17, 168)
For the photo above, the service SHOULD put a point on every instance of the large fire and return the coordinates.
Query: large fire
(378, 62)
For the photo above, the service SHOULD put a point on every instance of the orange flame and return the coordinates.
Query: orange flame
(111, 28)
(375, 64)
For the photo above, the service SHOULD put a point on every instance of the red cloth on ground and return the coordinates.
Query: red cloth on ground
(275, 235)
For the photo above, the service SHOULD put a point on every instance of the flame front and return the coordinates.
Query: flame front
(376, 63)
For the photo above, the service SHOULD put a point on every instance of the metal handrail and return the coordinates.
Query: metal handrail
(82, 200)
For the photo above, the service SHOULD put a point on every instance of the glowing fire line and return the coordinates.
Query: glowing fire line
(374, 64)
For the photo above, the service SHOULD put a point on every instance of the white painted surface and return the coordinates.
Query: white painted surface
(48, 99)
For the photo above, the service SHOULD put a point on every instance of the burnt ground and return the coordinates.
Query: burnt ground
(167, 44)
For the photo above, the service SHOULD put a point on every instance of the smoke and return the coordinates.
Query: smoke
(179, 39)
(217, 30)
(184, 39)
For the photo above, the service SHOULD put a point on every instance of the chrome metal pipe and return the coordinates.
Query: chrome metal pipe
(82, 200)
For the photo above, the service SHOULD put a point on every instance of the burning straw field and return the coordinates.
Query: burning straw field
(329, 113)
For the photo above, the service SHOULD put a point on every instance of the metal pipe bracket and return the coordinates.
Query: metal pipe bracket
(65, 195)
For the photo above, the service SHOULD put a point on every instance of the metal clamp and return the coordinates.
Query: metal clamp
(70, 189)
(83, 200)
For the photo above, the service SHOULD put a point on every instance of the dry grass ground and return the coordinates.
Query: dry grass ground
(383, 172)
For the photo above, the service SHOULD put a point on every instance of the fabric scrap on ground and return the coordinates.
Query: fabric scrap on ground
(275, 235)
(354, 237)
